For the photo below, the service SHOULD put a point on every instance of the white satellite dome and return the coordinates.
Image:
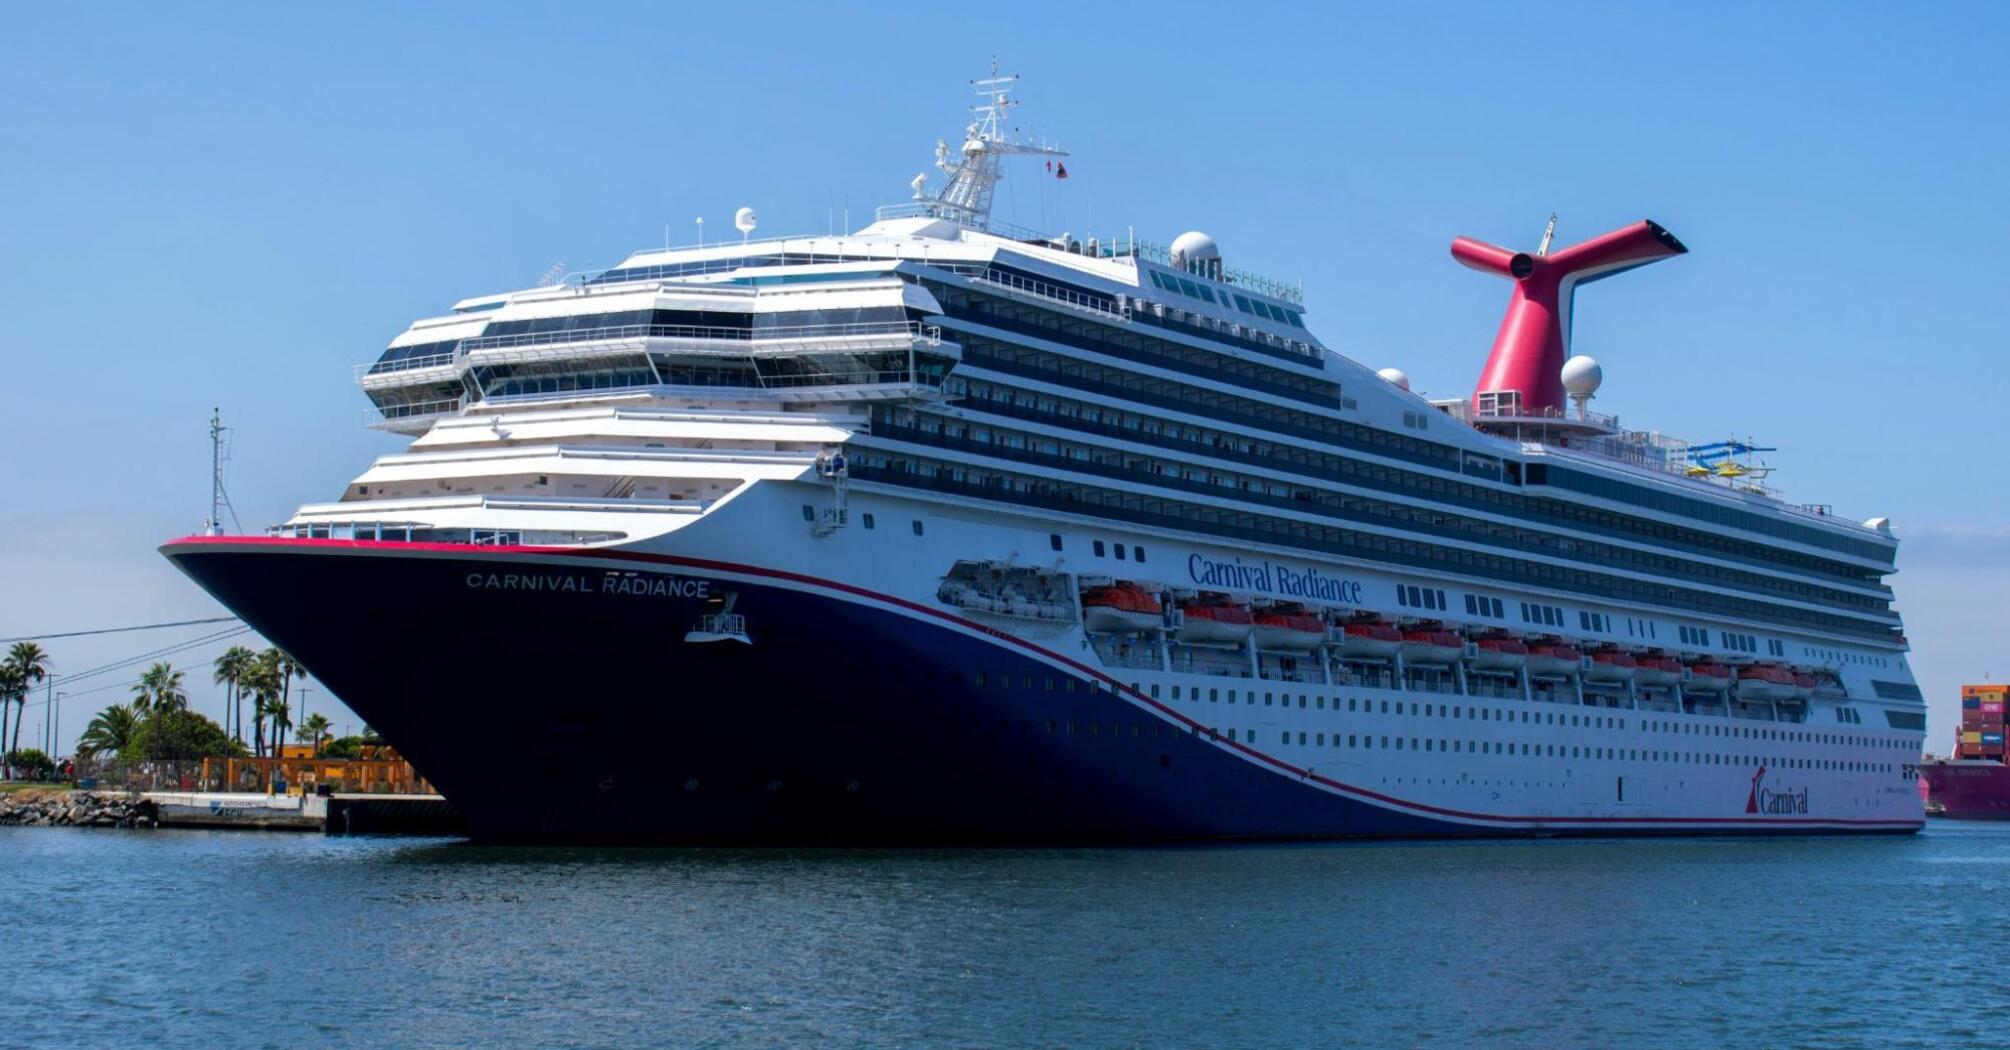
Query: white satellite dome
(1395, 376)
(744, 220)
(1194, 247)
(1581, 376)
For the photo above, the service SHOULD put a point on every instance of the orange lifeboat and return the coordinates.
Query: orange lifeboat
(1804, 685)
(1610, 665)
(1369, 640)
(1120, 608)
(1554, 660)
(1656, 671)
(1766, 682)
(1708, 677)
(1499, 654)
(1213, 618)
(1432, 647)
(1288, 627)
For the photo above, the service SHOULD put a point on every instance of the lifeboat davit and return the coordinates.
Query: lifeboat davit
(1553, 660)
(1214, 621)
(1120, 608)
(1656, 671)
(1499, 654)
(1765, 682)
(1708, 677)
(1432, 647)
(1804, 686)
(1608, 666)
(1292, 629)
(1368, 641)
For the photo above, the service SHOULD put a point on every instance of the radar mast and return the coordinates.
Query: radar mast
(973, 171)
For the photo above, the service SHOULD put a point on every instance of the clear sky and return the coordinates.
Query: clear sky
(231, 205)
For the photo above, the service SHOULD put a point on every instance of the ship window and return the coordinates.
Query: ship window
(1120, 551)
(809, 513)
(1054, 540)
(1138, 552)
(868, 519)
(917, 526)
(1099, 548)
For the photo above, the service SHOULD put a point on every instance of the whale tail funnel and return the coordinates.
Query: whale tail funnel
(1524, 373)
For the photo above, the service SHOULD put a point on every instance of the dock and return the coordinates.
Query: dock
(336, 814)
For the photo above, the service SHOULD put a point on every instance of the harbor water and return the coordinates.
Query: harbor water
(178, 938)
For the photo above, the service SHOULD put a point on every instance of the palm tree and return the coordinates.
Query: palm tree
(231, 668)
(110, 731)
(27, 664)
(10, 683)
(286, 667)
(315, 728)
(263, 683)
(281, 718)
(160, 689)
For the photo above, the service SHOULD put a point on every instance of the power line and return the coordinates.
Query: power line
(118, 630)
(151, 654)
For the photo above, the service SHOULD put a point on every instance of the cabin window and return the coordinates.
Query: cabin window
(1098, 547)
(917, 526)
(1054, 540)
(867, 518)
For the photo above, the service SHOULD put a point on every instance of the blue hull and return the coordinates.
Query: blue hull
(578, 712)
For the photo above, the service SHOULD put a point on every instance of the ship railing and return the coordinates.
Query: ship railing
(1101, 306)
(734, 335)
(406, 364)
(728, 624)
(411, 411)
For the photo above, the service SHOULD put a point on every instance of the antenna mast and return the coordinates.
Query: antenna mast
(974, 174)
(219, 458)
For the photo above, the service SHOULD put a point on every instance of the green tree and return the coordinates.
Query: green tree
(110, 732)
(160, 689)
(315, 728)
(344, 747)
(230, 670)
(27, 664)
(33, 764)
(177, 734)
(287, 669)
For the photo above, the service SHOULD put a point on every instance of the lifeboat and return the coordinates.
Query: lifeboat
(1214, 620)
(1499, 654)
(1765, 682)
(1368, 641)
(1610, 666)
(1553, 660)
(1656, 671)
(1804, 686)
(1432, 647)
(1708, 677)
(1292, 629)
(1120, 608)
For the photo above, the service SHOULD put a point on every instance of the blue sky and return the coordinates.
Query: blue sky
(231, 205)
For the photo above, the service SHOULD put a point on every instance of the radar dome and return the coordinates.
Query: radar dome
(744, 220)
(1581, 376)
(1194, 247)
(1395, 376)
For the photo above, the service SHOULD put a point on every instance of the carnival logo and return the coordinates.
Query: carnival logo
(1752, 800)
(625, 583)
(1765, 800)
(1240, 575)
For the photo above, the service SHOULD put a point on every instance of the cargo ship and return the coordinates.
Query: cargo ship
(1974, 783)
(945, 530)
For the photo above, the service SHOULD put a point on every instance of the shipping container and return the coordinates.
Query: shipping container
(1970, 702)
(1992, 707)
(1968, 737)
(1992, 738)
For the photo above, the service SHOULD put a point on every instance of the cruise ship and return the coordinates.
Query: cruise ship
(946, 531)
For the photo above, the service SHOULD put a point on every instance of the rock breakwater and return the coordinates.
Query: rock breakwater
(77, 809)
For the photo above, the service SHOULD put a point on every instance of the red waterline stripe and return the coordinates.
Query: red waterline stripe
(467, 551)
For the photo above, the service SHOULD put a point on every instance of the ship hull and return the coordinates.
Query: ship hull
(1969, 790)
(553, 696)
